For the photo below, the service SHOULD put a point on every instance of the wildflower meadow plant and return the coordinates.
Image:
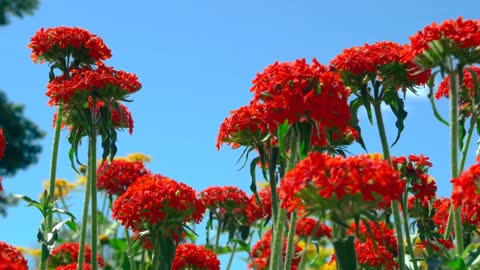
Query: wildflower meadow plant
(320, 207)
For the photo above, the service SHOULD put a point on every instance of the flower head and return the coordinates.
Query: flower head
(11, 258)
(116, 176)
(464, 33)
(190, 256)
(261, 251)
(467, 91)
(74, 266)
(350, 184)
(226, 199)
(62, 187)
(56, 43)
(466, 193)
(67, 253)
(255, 211)
(310, 227)
(3, 144)
(156, 200)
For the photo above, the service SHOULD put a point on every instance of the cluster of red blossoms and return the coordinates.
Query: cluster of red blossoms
(116, 176)
(465, 34)
(226, 199)
(466, 193)
(66, 254)
(373, 59)
(363, 181)
(310, 227)
(74, 266)
(157, 200)
(55, 43)
(294, 92)
(376, 245)
(467, 91)
(190, 256)
(262, 250)
(11, 258)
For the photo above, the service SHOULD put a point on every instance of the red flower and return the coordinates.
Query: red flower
(465, 193)
(190, 256)
(122, 117)
(56, 43)
(67, 253)
(435, 244)
(104, 82)
(465, 34)
(297, 91)
(116, 176)
(157, 200)
(262, 250)
(11, 258)
(362, 181)
(227, 198)
(374, 256)
(468, 83)
(74, 266)
(442, 212)
(381, 59)
(254, 210)
(308, 226)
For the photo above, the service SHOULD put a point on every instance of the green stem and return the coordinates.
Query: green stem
(395, 205)
(131, 259)
(230, 260)
(217, 236)
(290, 243)
(277, 244)
(92, 164)
(273, 183)
(467, 143)
(457, 221)
(86, 204)
(407, 234)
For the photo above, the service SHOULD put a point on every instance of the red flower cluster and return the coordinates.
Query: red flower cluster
(372, 59)
(363, 181)
(465, 33)
(262, 250)
(254, 210)
(465, 193)
(103, 82)
(226, 199)
(434, 244)
(294, 91)
(67, 253)
(157, 200)
(414, 171)
(122, 117)
(55, 43)
(310, 227)
(468, 84)
(74, 266)
(376, 245)
(116, 176)
(190, 256)
(442, 212)
(11, 258)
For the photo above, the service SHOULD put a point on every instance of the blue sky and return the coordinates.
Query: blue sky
(196, 60)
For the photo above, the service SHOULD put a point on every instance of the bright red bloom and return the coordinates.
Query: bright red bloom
(465, 33)
(67, 253)
(116, 176)
(190, 256)
(56, 43)
(254, 210)
(363, 181)
(466, 193)
(122, 117)
(298, 92)
(468, 83)
(74, 266)
(374, 256)
(227, 198)
(434, 244)
(103, 82)
(308, 226)
(262, 250)
(442, 212)
(377, 232)
(11, 258)
(157, 200)
(374, 59)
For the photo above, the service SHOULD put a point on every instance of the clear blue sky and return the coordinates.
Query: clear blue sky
(196, 60)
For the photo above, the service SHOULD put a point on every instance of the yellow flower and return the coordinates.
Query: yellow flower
(62, 187)
(30, 251)
(139, 157)
(82, 180)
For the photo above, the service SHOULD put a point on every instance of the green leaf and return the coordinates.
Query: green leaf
(282, 137)
(32, 202)
(457, 264)
(436, 113)
(354, 106)
(253, 185)
(45, 252)
(345, 252)
(365, 95)
(72, 224)
(392, 99)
